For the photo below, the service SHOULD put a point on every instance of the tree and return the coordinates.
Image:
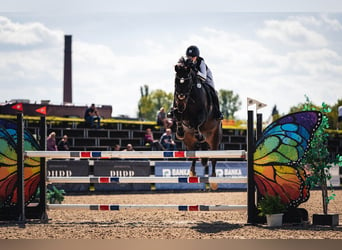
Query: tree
(144, 101)
(275, 113)
(317, 159)
(229, 103)
(150, 103)
(332, 116)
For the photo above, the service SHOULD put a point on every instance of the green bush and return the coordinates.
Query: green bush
(55, 195)
(271, 204)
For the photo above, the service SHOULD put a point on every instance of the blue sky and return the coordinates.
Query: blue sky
(275, 54)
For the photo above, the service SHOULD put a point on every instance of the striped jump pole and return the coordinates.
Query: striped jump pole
(231, 154)
(146, 179)
(115, 207)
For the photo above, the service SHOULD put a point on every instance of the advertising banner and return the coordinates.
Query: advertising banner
(68, 168)
(182, 169)
(122, 168)
(178, 169)
(231, 169)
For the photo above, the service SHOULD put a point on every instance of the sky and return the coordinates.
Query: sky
(275, 54)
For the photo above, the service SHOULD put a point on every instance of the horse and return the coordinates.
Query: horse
(196, 124)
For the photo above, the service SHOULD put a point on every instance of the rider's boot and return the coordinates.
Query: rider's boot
(219, 115)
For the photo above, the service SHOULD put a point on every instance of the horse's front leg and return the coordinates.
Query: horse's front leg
(199, 136)
(179, 123)
(213, 167)
(180, 130)
(213, 186)
(192, 169)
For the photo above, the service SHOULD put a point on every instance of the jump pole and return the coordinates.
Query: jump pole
(231, 154)
(145, 179)
(117, 207)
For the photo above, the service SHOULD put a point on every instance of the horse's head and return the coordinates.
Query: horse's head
(183, 84)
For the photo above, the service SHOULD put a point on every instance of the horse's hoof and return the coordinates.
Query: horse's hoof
(213, 186)
(192, 174)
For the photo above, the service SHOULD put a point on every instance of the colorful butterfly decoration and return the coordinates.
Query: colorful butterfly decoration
(278, 152)
(8, 165)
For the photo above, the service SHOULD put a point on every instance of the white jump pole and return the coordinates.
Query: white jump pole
(116, 207)
(231, 154)
(146, 179)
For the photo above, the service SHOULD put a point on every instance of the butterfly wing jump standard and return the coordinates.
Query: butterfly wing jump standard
(278, 152)
(8, 165)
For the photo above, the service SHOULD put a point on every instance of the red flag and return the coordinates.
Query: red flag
(42, 110)
(18, 106)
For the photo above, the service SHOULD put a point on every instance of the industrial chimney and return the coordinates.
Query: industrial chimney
(67, 87)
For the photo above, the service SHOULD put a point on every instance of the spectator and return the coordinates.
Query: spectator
(129, 147)
(117, 147)
(150, 142)
(63, 144)
(51, 142)
(166, 140)
(91, 115)
(162, 120)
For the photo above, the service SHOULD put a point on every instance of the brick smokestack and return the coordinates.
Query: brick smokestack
(67, 87)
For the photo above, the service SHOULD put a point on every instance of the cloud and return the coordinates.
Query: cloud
(332, 23)
(293, 32)
(28, 34)
(286, 59)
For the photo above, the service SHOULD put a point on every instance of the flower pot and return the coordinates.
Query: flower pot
(325, 219)
(274, 220)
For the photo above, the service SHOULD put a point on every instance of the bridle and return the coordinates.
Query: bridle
(183, 98)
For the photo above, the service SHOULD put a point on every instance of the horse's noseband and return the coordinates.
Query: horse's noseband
(181, 97)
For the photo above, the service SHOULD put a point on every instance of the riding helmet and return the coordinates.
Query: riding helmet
(192, 51)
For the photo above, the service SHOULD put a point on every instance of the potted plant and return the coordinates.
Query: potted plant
(317, 162)
(272, 207)
(55, 195)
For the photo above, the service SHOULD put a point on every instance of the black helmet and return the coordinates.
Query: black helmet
(192, 51)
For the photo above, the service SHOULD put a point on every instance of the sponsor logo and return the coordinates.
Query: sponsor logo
(175, 172)
(122, 173)
(228, 172)
(59, 173)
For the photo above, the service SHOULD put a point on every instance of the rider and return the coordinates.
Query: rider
(204, 74)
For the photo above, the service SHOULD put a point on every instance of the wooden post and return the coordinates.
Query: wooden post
(20, 170)
(42, 185)
(251, 207)
(258, 136)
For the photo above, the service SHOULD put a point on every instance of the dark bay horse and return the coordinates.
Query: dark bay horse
(194, 114)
